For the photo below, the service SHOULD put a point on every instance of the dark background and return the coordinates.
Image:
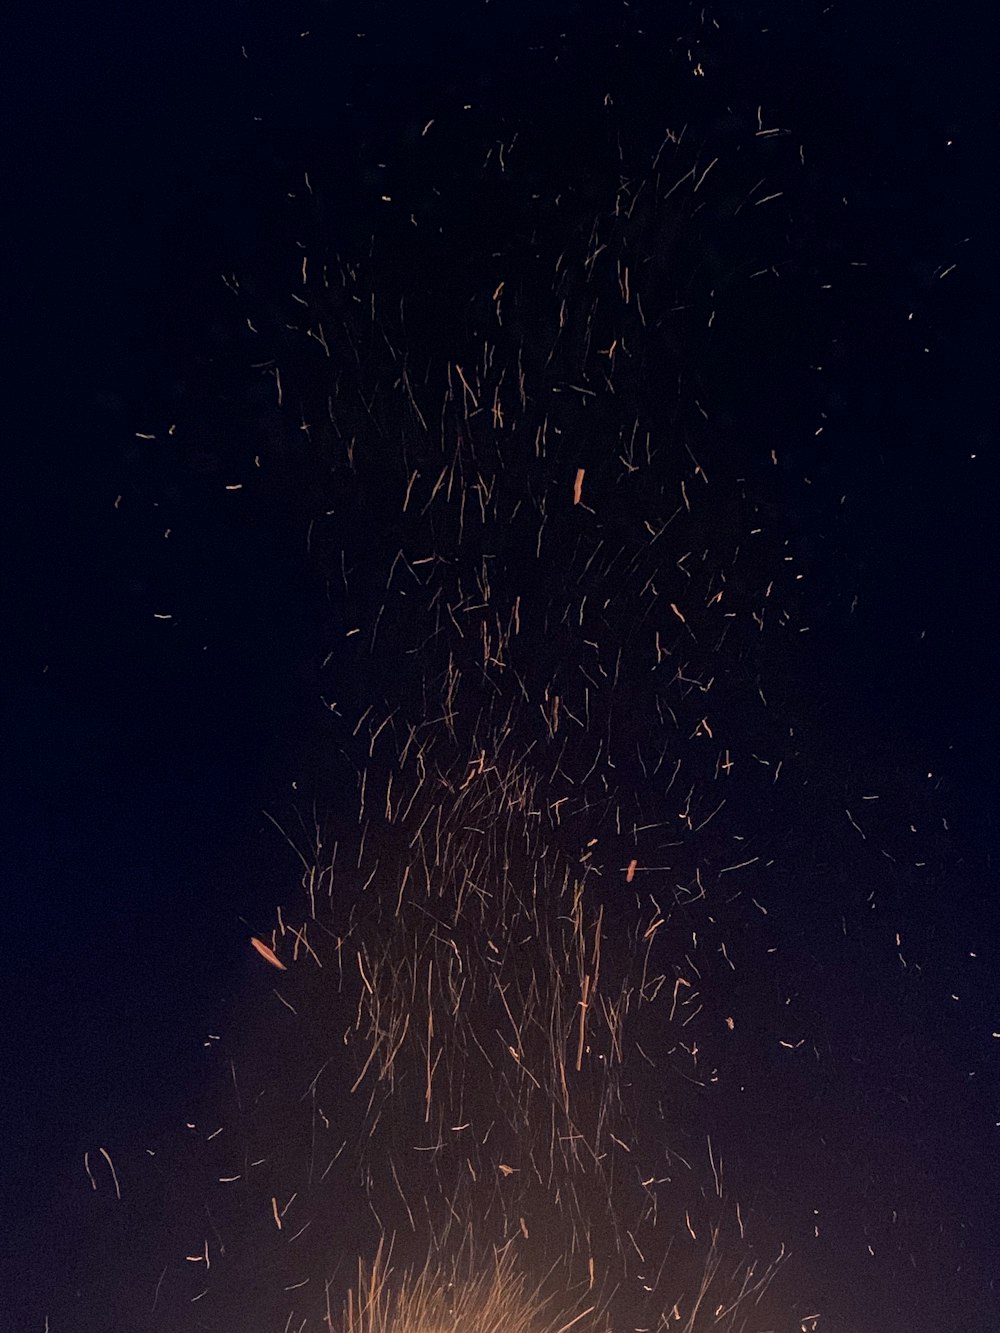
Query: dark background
(139, 753)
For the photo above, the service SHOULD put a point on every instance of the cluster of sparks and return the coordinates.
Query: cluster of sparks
(518, 954)
(518, 969)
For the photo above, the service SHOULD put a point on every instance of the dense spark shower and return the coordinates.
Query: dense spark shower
(486, 1070)
(519, 964)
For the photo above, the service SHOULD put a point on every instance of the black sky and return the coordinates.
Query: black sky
(152, 153)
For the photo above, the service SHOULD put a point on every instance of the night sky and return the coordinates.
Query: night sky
(700, 478)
